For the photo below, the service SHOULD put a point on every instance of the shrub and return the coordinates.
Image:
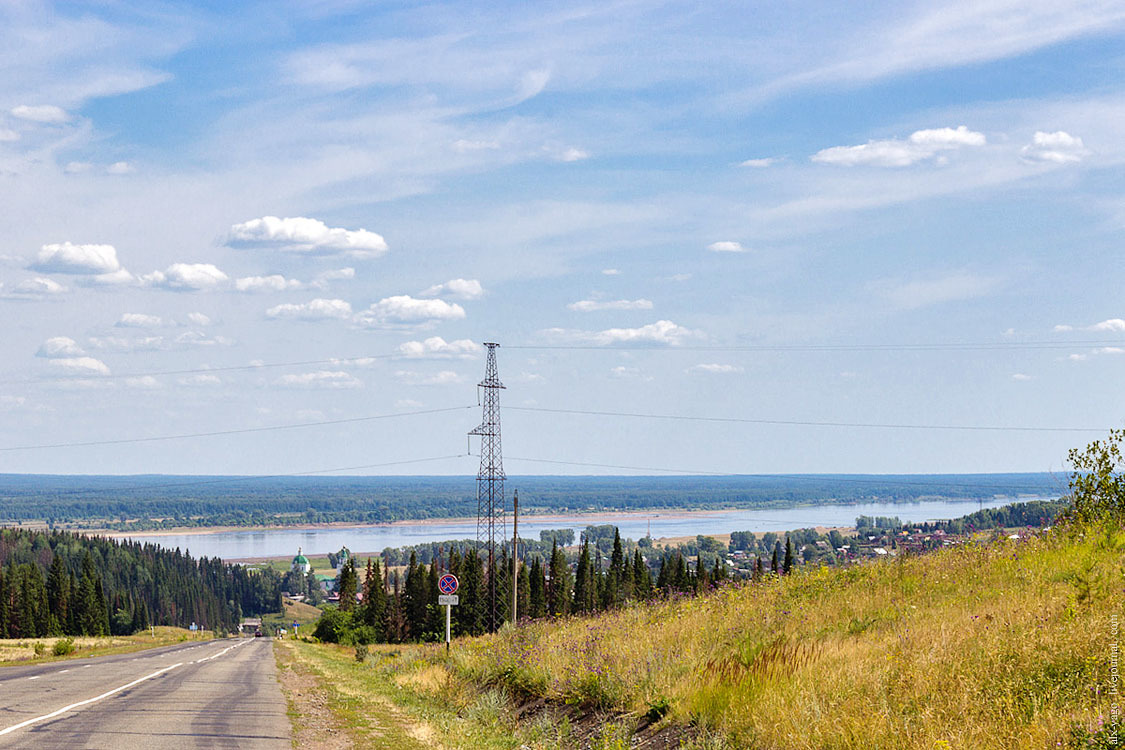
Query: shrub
(40, 648)
(63, 646)
(361, 653)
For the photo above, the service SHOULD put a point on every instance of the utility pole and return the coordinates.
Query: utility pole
(515, 552)
(490, 478)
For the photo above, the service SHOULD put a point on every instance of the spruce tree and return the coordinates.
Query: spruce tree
(558, 587)
(775, 564)
(787, 567)
(642, 579)
(537, 590)
(348, 584)
(584, 586)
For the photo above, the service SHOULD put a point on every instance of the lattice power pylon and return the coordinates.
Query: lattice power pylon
(490, 482)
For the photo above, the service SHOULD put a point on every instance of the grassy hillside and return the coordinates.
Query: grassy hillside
(998, 645)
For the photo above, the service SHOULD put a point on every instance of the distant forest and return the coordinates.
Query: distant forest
(59, 583)
(149, 502)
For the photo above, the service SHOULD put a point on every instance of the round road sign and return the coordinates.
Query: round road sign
(448, 584)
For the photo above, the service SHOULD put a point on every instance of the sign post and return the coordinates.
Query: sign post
(448, 585)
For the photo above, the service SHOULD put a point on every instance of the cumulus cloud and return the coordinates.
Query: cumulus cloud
(338, 274)
(445, 377)
(7, 136)
(120, 167)
(662, 332)
(44, 113)
(332, 379)
(611, 272)
(36, 287)
(406, 310)
(272, 283)
(713, 368)
(465, 289)
(82, 365)
(726, 246)
(198, 338)
(921, 145)
(1021, 377)
(436, 347)
(60, 347)
(120, 277)
(1059, 147)
(572, 154)
(317, 309)
(139, 320)
(187, 277)
(308, 236)
(66, 257)
(623, 372)
(198, 319)
(589, 305)
(77, 167)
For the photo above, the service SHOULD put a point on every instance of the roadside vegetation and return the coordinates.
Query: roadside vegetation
(996, 642)
(23, 651)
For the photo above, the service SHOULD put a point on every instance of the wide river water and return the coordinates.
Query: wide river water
(364, 539)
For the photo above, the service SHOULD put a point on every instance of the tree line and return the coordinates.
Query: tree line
(61, 583)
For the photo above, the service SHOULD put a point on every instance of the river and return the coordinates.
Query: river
(232, 545)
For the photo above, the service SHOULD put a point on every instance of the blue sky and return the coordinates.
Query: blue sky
(750, 211)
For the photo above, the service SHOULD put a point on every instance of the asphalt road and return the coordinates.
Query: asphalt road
(212, 694)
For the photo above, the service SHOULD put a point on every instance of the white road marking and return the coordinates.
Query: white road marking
(64, 671)
(87, 666)
(36, 677)
(86, 702)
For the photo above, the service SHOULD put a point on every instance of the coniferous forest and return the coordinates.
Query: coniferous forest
(60, 583)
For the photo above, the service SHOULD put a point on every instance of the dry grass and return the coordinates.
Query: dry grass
(1004, 645)
(23, 650)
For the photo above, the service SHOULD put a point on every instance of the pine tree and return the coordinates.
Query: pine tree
(416, 598)
(523, 600)
(4, 599)
(58, 597)
(374, 598)
(775, 564)
(787, 567)
(471, 613)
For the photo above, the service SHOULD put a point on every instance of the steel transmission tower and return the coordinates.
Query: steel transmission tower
(490, 481)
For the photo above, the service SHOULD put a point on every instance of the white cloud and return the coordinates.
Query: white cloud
(1021, 377)
(317, 309)
(198, 319)
(120, 167)
(921, 145)
(573, 154)
(139, 320)
(663, 332)
(611, 272)
(436, 347)
(713, 368)
(1059, 147)
(760, 163)
(532, 83)
(303, 235)
(272, 283)
(320, 379)
(1109, 350)
(120, 277)
(1113, 325)
(60, 347)
(82, 365)
(187, 277)
(45, 113)
(464, 289)
(1077, 357)
(7, 136)
(445, 377)
(949, 288)
(77, 167)
(198, 338)
(324, 278)
(202, 380)
(404, 309)
(622, 372)
(589, 305)
(726, 246)
(37, 287)
(143, 382)
(67, 257)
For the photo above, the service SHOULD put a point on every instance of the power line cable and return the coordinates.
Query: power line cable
(806, 423)
(216, 433)
(950, 346)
